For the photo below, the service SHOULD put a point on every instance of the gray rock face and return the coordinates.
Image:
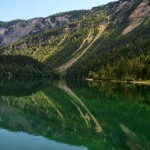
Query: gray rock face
(118, 12)
(14, 30)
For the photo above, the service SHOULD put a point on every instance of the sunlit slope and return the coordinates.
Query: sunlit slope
(96, 44)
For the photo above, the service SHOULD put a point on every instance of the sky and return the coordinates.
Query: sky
(27, 9)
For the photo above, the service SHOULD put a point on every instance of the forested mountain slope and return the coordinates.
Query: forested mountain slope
(14, 30)
(109, 41)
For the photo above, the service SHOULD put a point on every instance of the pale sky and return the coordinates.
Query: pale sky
(27, 9)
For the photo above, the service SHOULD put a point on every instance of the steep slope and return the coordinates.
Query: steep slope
(78, 55)
(137, 16)
(14, 30)
(117, 56)
(69, 40)
(98, 44)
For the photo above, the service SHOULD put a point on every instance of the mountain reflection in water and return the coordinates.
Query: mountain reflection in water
(83, 115)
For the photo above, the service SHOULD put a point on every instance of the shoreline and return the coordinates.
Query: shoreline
(144, 82)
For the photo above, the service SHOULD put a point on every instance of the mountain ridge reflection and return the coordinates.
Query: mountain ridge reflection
(95, 115)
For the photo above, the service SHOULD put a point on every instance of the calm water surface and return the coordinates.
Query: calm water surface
(73, 115)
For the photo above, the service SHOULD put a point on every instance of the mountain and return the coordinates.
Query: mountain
(107, 42)
(14, 30)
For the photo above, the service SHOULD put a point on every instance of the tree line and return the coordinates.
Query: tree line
(23, 66)
(126, 69)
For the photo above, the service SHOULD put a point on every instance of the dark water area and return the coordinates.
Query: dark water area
(40, 114)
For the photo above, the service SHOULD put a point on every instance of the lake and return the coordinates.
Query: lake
(40, 114)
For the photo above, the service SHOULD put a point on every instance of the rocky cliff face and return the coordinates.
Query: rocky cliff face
(14, 30)
(142, 11)
(118, 12)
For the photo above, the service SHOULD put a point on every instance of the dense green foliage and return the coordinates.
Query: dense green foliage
(109, 57)
(23, 66)
(113, 48)
(135, 69)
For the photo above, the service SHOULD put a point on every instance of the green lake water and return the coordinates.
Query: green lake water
(73, 115)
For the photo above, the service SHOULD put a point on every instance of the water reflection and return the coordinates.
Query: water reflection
(23, 141)
(94, 115)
